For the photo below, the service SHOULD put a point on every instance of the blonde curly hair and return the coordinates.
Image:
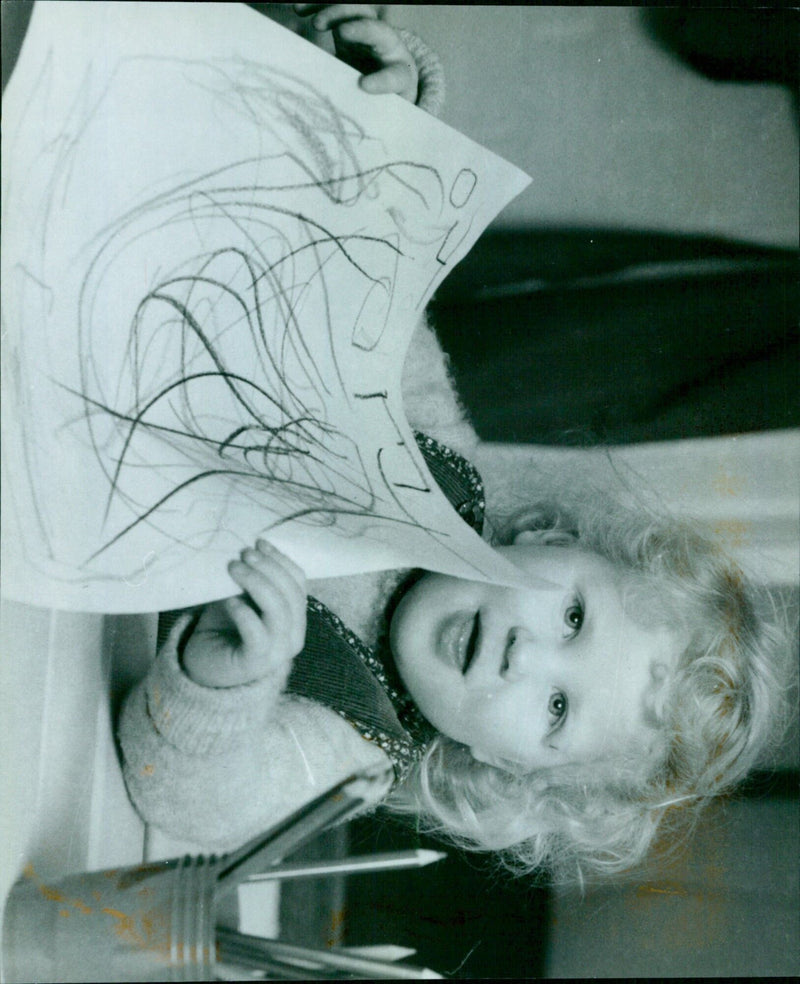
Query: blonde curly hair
(727, 699)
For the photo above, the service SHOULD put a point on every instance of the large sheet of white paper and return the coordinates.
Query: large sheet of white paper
(216, 248)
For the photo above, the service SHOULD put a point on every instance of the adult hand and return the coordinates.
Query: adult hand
(368, 44)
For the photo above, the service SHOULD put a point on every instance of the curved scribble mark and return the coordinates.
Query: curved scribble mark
(232, 314)
(462, 187)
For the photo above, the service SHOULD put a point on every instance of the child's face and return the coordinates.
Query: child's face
(534, 678)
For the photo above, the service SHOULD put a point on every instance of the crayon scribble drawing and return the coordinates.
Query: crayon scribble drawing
(211, 272)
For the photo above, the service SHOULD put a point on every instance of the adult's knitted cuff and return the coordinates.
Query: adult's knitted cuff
(431, 89)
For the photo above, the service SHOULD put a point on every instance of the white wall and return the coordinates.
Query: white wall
(613, 131)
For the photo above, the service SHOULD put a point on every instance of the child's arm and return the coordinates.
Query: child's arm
(392, 61)
(219, 773)
(213, 751)
(216, 683)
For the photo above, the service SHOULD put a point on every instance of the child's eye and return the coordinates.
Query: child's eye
(573, 617)
(557, 706)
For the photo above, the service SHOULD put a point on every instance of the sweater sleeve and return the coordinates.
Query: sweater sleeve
(194, 718)
(216, 766)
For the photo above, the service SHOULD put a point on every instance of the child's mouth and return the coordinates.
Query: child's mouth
(472, 643)
(459, 639)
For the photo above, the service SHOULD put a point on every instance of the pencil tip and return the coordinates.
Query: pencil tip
(427, 856)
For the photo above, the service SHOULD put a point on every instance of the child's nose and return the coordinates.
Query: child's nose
(523, 651)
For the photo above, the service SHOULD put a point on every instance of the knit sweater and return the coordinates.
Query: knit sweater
(216, 766)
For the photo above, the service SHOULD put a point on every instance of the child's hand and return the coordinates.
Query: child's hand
(245, 638)
(367, 44)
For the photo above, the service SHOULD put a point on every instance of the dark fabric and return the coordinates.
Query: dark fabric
(334, 670)
(338, 670)
(597, 337)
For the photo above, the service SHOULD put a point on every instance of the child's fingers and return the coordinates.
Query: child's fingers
(272, 553)
(277, 596)
(288, 578)
(276, 567)
(280, 599)
(248, 624)
(269, 632)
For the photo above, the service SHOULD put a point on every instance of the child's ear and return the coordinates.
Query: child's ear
(546, 538)
(655, 698)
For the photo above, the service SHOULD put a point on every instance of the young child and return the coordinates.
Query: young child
(557, 727)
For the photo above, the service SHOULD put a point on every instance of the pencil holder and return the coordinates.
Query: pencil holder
(153, 922)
